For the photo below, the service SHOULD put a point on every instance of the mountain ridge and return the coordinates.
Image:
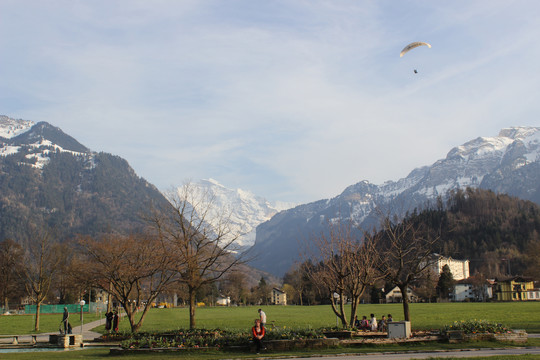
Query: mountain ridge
(47, 178)
(507, 163)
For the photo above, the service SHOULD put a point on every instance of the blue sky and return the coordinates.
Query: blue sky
(292, 100)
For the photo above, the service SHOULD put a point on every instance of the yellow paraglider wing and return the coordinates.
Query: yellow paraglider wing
(412, 46)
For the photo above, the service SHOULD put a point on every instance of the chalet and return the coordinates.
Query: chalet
(517, 288)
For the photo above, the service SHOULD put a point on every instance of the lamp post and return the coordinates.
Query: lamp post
(82, 322)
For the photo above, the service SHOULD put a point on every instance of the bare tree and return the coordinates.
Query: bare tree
(134, 268)
(39, 267)
(345, 267)
(234, 286)
(294, 284)
(201, 237)
(68, 280)
(403, 253)
(11, 255)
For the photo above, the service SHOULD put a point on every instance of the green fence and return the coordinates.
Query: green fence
(56, 309)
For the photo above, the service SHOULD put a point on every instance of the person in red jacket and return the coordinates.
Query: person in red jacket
(258, 332)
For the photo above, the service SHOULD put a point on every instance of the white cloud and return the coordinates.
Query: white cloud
(291, 100)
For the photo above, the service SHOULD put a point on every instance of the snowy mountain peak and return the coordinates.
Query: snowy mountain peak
(248, 210)
(518, 132)
(36, 141)
(10, 128)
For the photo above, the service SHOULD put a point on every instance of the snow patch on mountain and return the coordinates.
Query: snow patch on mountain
(10, 127)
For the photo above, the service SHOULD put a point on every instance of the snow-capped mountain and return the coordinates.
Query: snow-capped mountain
(508, 163)
(10, 127)
(37, 141)
(48, 177)
(247, 210)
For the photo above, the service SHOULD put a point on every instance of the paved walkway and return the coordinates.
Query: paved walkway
(432, 354)
(88, 335)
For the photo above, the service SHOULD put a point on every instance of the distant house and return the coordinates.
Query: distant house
(517, 288)
(463, 291)
(459, 268)
(223, 301)
(279, 297)
(395, 296)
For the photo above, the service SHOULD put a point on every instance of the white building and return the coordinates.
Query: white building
(394, 296)
(223, 301)
(459, 268)
(467, 290)
(279, 297)
(463, 292)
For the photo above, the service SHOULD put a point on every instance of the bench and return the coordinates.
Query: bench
(15, 338)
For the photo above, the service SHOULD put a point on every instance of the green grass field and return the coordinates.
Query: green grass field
(423, 316)
(24, 324)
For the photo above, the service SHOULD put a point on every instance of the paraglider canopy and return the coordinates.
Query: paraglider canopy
(412, 46)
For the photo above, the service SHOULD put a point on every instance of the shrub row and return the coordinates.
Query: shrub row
(476, 327)
(218, 338)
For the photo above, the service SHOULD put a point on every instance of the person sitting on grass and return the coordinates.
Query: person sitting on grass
(258, 332)
(356, 322)
(373, 323)
(364, 324)
(382, 324)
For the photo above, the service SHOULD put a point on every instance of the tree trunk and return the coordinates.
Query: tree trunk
(342, 310)
(131, 317)
(354, 307)
(38, 310)
(192, 306)
(405, 298)
(109, 298)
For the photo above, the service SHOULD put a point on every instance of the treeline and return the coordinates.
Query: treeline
(84, 194)
(491, 230)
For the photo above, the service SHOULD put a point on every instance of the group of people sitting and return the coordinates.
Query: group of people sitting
(372, 324)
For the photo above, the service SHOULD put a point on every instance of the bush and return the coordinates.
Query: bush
(476, 327)
(198, 338)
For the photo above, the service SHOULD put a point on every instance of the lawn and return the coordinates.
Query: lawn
(524, 315)
(24, 324)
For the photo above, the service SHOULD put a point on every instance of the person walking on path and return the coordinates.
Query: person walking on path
(258, 332)
(262, 317)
